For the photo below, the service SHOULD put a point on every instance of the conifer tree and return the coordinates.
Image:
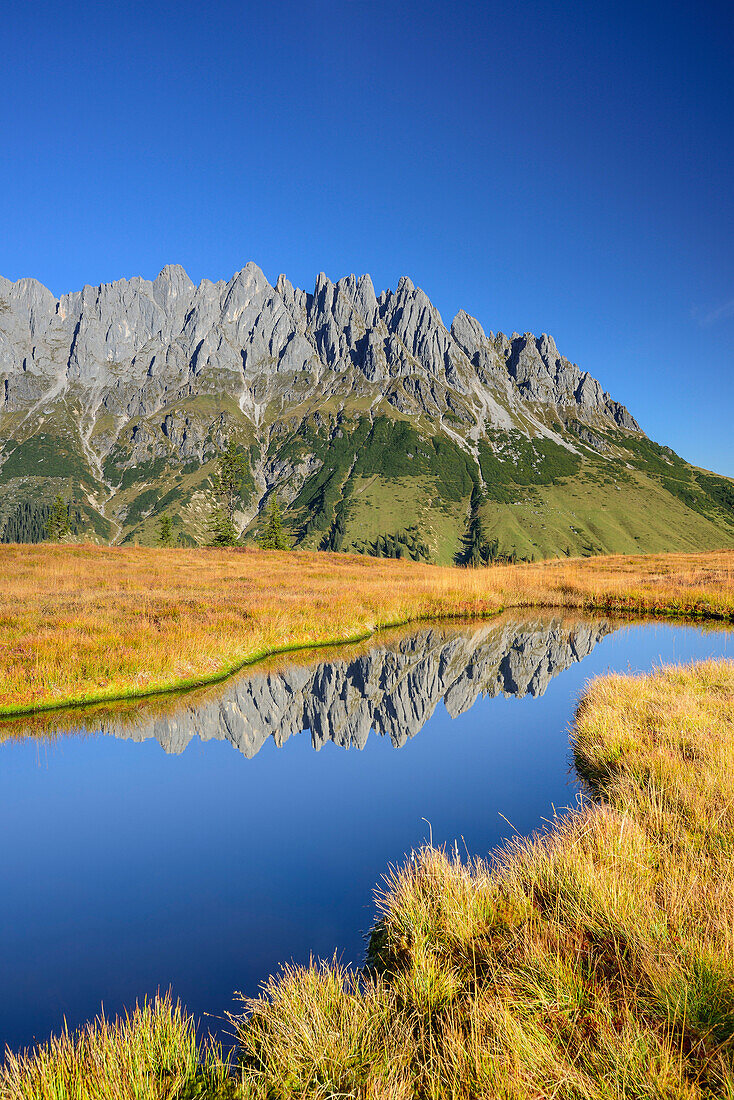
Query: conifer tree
(165, 530)
(227, 486)
(222, 529)
(274, 535)
(58, 524)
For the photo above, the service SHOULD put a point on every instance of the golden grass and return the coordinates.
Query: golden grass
(80, 623)
(593, 962)
(133, 712)
(151, 1054)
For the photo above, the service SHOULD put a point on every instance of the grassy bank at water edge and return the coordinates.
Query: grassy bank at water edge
(79, 624)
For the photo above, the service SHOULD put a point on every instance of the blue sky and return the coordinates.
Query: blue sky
(555, 167)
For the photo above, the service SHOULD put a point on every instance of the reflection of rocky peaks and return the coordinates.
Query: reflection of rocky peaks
(392, 689)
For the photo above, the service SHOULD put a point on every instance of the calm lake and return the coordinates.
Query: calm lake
(199, 841)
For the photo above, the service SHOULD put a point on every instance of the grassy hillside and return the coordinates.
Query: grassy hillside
(536, 499)
(593, 514)
(355, 478)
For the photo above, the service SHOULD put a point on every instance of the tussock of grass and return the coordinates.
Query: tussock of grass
(320, 1031)
(595, 961)
(93, 623)
(151, 1054)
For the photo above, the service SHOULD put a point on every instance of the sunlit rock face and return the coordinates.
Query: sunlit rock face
(383, 430)
(131, 346)
(393, 689)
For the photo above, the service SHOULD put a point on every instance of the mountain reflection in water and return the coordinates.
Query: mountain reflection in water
(127, 870)
(392, 688)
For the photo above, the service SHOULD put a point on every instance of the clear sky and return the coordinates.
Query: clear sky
(553, 167)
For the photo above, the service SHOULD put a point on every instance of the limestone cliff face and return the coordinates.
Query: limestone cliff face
(131, 347)
(392, 689)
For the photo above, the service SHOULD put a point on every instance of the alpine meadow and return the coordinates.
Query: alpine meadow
(195, 479)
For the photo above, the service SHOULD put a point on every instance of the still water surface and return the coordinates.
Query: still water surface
(199, 842)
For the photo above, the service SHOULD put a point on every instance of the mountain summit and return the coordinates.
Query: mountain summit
(383, 430)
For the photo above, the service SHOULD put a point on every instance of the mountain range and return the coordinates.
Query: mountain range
(392, 689)
(382, 430)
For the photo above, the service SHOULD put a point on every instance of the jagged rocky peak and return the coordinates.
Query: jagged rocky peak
(27, 302)
(371, 418)
(173, 289)
(249, 329)
(151, 376)
(244, 295)
(361, 293)
(468, 333)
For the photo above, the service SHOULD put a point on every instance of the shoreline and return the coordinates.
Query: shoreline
(82, 702)
(150, 626)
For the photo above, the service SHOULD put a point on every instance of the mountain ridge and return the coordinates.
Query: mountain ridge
(332, 322)
(129, 390)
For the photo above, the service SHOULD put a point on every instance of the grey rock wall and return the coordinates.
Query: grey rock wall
(131, 347)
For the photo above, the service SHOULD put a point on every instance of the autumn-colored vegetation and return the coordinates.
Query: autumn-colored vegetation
(151, 1054)
(80, 623)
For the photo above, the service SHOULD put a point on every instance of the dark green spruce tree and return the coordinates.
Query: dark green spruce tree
(227, 488)
(165, 530)
(58, 525)
(273, 535)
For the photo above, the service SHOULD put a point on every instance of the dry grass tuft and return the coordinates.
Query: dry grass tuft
(151, 1054)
